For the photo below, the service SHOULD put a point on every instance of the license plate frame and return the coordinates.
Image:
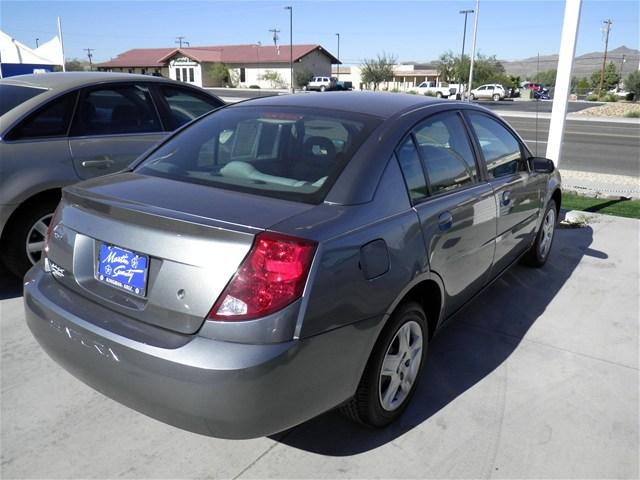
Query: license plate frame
(122, 269)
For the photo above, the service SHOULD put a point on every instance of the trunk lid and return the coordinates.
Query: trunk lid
(188, 241)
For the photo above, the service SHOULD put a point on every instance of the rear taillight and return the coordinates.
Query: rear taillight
(52, 224)
(271, 277)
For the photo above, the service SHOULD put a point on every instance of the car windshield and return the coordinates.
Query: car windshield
(13, 95)
(289, 153)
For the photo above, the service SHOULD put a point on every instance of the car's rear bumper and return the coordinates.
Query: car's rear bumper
(223, 389)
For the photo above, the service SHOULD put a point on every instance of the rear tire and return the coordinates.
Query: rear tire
(382, 396)
(539, 251)
(472, 97)
(438, 94)
(323, 88)
(496, 97)
(26, 228)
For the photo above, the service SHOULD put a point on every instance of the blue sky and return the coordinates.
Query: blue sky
(413, 31)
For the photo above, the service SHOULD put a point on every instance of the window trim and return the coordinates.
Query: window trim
(163, 106)
(524, 150)
(84, 91)
(424, 175)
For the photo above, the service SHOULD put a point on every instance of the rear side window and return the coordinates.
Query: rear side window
(291, 153)
(412, 170)
(116, 110)
(444, 147)
(185, 106)
(13, 95)
(52, 120)
(501, 150)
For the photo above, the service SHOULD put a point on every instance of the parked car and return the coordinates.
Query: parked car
(322, 84)
(442, 90)
(492, 91)
(59, 128)
(287, 255)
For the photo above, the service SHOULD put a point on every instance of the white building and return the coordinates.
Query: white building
(405, 76)
(247, 65)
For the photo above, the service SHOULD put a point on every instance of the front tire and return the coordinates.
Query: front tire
(539, 251)
(394, 368)
(323, 88)
(472, 97)
(438, 94)
(24, 239)
(496, 97)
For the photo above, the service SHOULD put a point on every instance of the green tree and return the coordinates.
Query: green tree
(583, 86)
(74, 65)
(218, 72)
(546, 77)
(302, 77)
(632, 84)
(378, 70)
(611, 78)
(274, 78)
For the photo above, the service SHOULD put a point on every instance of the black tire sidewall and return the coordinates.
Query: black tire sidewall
(376, 415)
(14, 254)
(538, 260)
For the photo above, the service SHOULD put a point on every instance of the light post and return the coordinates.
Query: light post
(290, 8)
(464, 38)
(338, 72)
(37, 40)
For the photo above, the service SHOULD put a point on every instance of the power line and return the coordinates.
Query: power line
(180, 40)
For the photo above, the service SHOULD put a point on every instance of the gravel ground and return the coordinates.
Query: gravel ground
(617, 109)
(600, 184)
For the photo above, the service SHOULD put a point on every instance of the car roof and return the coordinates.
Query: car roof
(68, 80)
(379, 104)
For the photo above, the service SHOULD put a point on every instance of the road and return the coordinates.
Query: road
(537, 378)
(589, 146)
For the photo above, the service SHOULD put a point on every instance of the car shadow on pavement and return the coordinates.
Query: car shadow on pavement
(10, 285)
(471, 346)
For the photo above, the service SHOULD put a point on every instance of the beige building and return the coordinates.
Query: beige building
(248, 65)
(405, 76)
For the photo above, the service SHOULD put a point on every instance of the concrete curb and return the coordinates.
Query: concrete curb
(571, 116)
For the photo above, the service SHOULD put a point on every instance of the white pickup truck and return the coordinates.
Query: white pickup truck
(443, 90)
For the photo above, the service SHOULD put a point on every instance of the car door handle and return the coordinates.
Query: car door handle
(506, 198)
(445, 221)
(105, 163)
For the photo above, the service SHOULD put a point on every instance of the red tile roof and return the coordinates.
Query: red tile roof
(230, 54)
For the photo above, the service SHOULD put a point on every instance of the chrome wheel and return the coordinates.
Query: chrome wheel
(400, 366)
(548, 227)
(35, 238)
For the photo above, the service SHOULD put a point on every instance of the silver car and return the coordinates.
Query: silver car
(286, 255)
(59, 128)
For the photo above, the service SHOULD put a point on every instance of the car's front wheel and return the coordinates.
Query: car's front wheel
(24, 240)
(323, 88)
(496, 97)
(472, 97)
(392, 373)
(438, 94)
(539, 251)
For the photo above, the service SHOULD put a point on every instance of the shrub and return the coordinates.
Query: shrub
(593, 97)
(254, 86)
(633, 114)
(395, 90)
(632, 84)
(610, 97)
(429, 93)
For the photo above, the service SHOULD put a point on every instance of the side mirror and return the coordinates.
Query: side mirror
(541, 165)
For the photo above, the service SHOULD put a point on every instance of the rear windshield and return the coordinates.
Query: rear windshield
(13, 95)
(289, 153)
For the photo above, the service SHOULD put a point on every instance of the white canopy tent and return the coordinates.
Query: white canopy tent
(16, 58)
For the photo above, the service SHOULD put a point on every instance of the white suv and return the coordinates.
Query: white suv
(322, 83)
(494, 91)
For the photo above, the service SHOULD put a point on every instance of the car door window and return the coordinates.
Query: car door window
(446, 153)
(52, 120)
(500, 148)
(185, 105)
(412, 170)
(122, 109)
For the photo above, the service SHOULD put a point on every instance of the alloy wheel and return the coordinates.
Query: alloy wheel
(548, 228)
(35, 238)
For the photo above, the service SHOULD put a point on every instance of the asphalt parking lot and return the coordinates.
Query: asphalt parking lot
(537, 378)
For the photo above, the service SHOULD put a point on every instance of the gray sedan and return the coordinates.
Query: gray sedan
(287, 255)
(59, 128)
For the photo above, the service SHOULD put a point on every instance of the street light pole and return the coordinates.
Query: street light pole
(37, 40)
(290, 8)
(464, 38)
(338, 72)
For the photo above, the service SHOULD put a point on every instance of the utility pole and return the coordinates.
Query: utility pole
(338, 72)
(290, 8)
(607, 22)
(90, 56)
(620, 82)
(275, 33)
(180, 40)
(473, 47)
(464, 38)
